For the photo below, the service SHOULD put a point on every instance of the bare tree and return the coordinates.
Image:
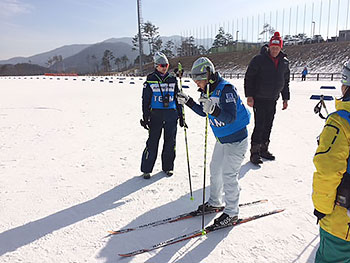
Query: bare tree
(168, 49)
(150, 32)
(267, 28)
(117, 62)
(222, 39)
(188, 47)
(124, 59)
(106, 60)
(96, 64)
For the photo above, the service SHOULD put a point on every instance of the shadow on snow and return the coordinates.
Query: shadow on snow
(138, 239)
(144, 238)
(15, 238)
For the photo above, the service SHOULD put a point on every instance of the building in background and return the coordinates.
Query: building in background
(344, 35)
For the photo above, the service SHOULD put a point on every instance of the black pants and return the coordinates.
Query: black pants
(160, 119)
(264, 113)
(303, 77)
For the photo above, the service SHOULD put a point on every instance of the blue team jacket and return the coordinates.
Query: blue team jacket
(155, 89)
(230, 118)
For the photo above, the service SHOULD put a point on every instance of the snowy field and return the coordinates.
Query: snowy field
(70, 171)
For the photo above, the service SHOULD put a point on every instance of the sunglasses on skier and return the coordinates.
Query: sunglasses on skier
(163, 65)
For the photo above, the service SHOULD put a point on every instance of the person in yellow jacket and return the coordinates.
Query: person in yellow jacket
(332, 209)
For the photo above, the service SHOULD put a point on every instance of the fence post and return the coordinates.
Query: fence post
(332, 77)
(237, 75)
(292, 76)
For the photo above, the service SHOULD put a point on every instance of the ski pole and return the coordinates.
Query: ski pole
(318, 107)
(324, 104)
(205, 152)
(179, 73)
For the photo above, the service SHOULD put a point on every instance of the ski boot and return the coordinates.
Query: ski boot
(264, 152)
(146, 175)
(225, 220)
(209, 208)
(169, 173)
(255, 154)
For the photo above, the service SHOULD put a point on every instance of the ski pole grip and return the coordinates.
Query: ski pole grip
(180, 70)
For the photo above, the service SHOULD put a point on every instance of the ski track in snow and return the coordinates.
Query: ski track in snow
(69, 172)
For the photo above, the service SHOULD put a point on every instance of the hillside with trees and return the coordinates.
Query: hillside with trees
(233, 57)
(229, 55)
(22, 69)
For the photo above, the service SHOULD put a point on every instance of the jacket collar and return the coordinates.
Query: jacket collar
(342, 105)
(161, 77)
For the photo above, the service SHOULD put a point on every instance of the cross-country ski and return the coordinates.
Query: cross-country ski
(198, 233)
(178, 218)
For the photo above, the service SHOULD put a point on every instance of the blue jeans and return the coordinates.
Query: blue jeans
(225, 164)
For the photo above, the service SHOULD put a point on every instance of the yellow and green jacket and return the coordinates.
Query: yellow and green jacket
(331, 163)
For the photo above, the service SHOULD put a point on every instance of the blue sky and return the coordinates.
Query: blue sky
(29, 27)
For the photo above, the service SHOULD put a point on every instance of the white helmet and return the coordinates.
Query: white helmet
(160, 59)
(200, 69)
(345, 78)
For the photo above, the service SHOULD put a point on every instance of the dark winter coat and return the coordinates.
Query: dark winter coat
(263, 80)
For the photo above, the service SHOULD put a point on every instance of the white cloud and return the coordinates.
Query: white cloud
(13, 7)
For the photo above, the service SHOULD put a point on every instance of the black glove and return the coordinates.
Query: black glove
(145, 122)
(319, 215)
(182, 122)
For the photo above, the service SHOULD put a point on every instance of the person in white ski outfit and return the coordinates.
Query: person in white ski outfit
(228, 118)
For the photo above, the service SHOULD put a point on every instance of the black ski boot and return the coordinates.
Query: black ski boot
(264, 152)
(169, 173)
(209, 208)
(225, 220)
(255, 154)
(146, 175)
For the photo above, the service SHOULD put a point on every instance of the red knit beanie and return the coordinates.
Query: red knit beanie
(276, 40)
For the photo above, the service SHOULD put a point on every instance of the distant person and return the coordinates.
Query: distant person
(228, 119)
(267, 76)
(303, 74)
(160, 112)
(331, 181)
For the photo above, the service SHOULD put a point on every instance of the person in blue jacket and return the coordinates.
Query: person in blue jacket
(228, 118)
(160, 112)
(303, 74)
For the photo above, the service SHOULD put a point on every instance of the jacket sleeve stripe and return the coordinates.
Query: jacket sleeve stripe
(335, 137)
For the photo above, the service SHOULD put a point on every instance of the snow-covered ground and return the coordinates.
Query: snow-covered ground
(70, 171)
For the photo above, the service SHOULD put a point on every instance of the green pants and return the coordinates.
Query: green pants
(332, 249)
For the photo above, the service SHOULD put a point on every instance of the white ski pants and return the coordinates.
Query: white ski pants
(225, 164)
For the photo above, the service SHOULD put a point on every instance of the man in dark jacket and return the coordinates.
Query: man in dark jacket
(160, 112)
(267, 76)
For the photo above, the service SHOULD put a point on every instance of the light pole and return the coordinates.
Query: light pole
(237, 36)
(313, 28)
(139, 22)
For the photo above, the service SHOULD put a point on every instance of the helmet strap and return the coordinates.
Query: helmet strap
(212, 78)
